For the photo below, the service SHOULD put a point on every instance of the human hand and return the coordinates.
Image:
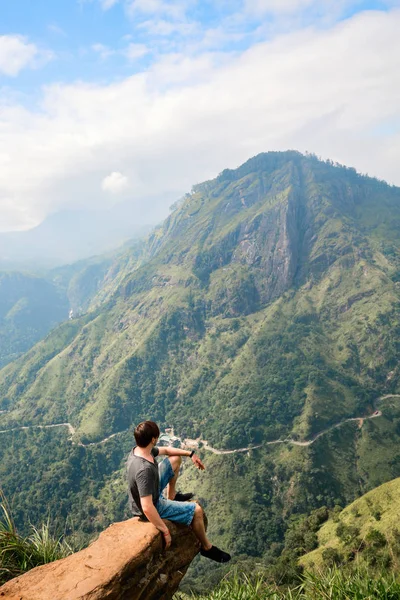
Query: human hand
(167, 538)
(197, 462)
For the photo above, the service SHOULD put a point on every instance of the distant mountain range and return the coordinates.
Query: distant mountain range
(68, 236)
(29, 307)
(48, 273)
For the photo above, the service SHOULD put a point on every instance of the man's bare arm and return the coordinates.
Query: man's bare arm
(170, 451)
(152, 514)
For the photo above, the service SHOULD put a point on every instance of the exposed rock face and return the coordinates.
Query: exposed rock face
(127, 562)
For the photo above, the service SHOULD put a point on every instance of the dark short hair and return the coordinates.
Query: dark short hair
(145, 432)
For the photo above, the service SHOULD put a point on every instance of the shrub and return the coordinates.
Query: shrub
(331, 557)
(348, 534)
(375, 539)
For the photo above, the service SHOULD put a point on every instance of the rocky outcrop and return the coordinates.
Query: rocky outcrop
(127, 562)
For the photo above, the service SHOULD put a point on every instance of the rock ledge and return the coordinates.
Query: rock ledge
(127, 562)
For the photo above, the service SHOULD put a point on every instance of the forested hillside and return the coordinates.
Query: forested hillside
(366, 532)
(266, 307)
(29, 307)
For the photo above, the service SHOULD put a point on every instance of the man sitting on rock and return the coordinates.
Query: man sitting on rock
(147, 481)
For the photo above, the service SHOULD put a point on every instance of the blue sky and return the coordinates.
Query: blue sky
(104, 40)
(95, 94)
(75, 32)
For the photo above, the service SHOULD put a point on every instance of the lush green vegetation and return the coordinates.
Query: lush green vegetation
(265, 307)
(334, 584)
(19, 554)
(366, 531)
(29, 307)
(32, 305)
(82, 489)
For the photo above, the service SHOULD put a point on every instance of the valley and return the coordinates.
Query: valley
(195, 443)
(260, 319)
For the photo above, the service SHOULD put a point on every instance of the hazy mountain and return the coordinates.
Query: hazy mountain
(69, 236)
(29, 307)
(266, 307)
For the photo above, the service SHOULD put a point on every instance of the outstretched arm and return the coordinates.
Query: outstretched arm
(170, 451)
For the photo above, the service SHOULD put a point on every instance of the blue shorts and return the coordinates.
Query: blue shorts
(180, 512)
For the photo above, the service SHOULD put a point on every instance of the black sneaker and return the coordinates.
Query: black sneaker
(216, 554)
(179, 497)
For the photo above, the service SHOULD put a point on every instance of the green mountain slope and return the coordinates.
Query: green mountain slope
(266, 300)
(378, 510)
(265, 307)
(29, 307)
(32, 304)
(88, 282)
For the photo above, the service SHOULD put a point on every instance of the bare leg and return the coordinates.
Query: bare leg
(199, 528)
(171, 488)
(198, 518)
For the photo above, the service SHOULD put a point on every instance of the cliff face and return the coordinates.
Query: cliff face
(127, 562)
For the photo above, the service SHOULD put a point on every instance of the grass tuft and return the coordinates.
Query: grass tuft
(19, 554)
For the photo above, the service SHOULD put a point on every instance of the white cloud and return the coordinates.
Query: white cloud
(335, 92)
(103, 51)
(162, 27)
(115, 183)
(16, 53)
(135, 51)
(54, 28)
(107, 4)
(175, 20)
(277, 6)
(175, 9)
(328, 10)
(132, 51)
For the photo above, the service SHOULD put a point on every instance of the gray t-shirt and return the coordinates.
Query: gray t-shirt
(143, 480)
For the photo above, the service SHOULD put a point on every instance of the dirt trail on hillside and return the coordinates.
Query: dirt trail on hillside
(70, 427)
(206, 445)
(376, 414)
(71, 430)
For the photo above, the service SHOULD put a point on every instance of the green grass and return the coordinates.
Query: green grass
(383, 502)
(332, 584)
(19, 554)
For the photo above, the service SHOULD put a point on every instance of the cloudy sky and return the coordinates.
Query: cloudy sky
(102, 101)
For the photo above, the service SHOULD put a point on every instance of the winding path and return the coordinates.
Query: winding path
(71, 428)
(206, 445)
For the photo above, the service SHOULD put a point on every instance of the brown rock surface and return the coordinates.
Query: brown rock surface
(127, 562)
